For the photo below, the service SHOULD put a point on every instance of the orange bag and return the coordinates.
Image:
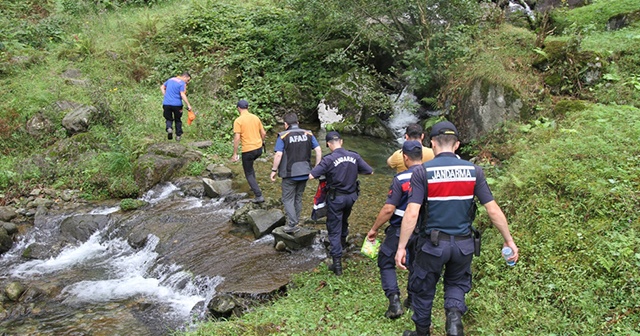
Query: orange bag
(191, 117)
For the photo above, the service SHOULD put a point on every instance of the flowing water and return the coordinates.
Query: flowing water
(104, 286)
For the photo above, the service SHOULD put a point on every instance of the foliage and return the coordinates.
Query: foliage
(593, 17)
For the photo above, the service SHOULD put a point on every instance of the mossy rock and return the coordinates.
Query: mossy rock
(565, 106)
(128, 204)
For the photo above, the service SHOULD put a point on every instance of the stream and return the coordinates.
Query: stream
(192, 250)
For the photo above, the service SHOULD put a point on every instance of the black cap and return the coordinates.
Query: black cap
(410, 146)
(333, 135)
(444, 127)
(243, 104)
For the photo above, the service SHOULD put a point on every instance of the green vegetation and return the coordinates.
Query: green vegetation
(567, 175)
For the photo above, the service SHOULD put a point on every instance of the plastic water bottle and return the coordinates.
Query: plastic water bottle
(507, 253)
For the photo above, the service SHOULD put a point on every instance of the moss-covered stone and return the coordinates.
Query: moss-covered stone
(564, 106)
(128, 204)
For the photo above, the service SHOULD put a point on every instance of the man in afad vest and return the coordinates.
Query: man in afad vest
(443, 193)
(292, 162)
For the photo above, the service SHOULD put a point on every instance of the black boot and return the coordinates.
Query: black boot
(395, 309)
(407, 302)
(418, 332)
(454, 322)
(336, 266)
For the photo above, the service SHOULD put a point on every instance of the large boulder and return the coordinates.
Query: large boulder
(262, 222)
(161, 163)
(216, 189)
(80, 228)
(299, 240)
(485, 107)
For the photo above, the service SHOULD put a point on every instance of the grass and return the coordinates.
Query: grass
(568, 185)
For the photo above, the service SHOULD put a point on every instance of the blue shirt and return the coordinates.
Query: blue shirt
(174, 86)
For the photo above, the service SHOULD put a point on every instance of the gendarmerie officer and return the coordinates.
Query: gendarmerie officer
(341, 169)
(445, 189)
(292, 162)
(393, 211)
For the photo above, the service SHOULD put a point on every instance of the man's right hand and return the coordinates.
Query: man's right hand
(235, 158)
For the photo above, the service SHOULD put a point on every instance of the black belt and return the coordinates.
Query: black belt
(444, 236)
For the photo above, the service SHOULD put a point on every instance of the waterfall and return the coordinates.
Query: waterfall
(404, 107)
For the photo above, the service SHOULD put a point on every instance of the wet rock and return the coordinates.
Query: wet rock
(161, 163)
(32, 294)
(219, 172)
(138, 239)
(224, 306)
(9, 227)
(240, 216)
(128, 204)
(299, 240)
(14, 290)
(7, 213)
(5, 241)
(81, 227)
(262, 222)
(280, 245)
(216, 189)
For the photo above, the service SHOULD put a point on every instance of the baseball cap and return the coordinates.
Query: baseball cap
(444, 127)
(333, 135)
(412, 146)
(243, 104)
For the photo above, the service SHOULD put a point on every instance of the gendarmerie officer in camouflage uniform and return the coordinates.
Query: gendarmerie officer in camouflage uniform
(443, 192)
(341, 169)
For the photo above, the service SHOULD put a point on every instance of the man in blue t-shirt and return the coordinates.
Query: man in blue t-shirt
(292, 162)
(393, 211)
(174, 91)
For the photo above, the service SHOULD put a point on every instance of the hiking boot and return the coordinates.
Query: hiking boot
(418, 332)
(336, 266)
(169, 133)
(453, 325)
(395, 309)
(291, 229)
(407, 302)
(177, 138)
(258, 199)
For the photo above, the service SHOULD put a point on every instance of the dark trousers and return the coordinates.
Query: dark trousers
(455, 257)
(387, 262)
(292, 192)
(249, 172)
(171, 114)
(338, 212)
